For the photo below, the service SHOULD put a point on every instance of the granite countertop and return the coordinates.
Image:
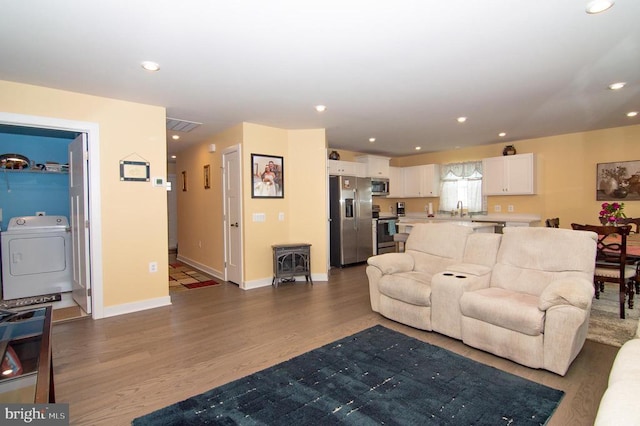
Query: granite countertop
(475, 225)
(495, 217)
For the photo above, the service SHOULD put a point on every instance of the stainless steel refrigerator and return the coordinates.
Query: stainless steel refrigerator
(350, 203)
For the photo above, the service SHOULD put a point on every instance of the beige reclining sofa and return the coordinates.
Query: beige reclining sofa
(524, 295)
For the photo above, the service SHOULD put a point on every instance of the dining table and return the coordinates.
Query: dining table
(633, 244)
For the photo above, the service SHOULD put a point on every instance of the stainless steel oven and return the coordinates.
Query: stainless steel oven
(384, 236)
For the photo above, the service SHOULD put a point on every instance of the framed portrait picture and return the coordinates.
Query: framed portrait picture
(207, 176)
(618, 181)
(267, 176)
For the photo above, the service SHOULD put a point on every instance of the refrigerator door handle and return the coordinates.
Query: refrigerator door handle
(356, 201)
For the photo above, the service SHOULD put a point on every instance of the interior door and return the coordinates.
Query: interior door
(172, 212)
(232, 184)
(78, 184)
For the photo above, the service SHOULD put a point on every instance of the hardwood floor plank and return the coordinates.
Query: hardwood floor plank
(115, 369)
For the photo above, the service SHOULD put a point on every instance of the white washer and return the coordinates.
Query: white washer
(36, 256)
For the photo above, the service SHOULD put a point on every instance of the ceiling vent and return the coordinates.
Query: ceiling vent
(178, 125)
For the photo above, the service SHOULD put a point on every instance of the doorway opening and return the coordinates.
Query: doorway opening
(86, 247)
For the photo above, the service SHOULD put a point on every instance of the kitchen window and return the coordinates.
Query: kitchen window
(462, 182)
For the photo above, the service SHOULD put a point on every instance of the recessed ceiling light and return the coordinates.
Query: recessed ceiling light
(632, 113)
(418, 148)
(175, 137)
(461, 119)
(372, 139)
(598, 6)
(321, 108)
(617, 86)
(150, 66)
(502, 134)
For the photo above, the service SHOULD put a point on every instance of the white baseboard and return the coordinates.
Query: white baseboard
(265, 282)
(204, 268)
(127, 308)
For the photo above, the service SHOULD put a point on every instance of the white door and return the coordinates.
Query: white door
(79, 222)
(172, 211)
(232, 184)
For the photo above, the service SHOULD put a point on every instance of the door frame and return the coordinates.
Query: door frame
(95, 219)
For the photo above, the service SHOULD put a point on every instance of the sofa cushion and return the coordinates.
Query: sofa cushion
(530, 258)
(619, 405)
(439, 239)
(626, 366)
(410, 287)
(504, 308)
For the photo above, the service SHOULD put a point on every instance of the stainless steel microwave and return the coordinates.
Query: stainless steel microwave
(379, 186)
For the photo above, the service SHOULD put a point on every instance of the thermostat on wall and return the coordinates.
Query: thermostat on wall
(158, 181)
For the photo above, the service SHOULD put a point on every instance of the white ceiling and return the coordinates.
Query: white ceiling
(399, 71)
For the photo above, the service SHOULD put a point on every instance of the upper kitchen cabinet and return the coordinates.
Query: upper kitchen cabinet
(509, 175)
(376, 166)
(346, 168)
(422, 181)
(396, 182)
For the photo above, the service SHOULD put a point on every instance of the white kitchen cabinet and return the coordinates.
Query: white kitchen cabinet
(509, 175)
(431, 180)
(376, 166)
(346, 168)
(422, 181)
(396, 182)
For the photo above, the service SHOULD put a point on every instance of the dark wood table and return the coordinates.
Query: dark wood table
(25, 346)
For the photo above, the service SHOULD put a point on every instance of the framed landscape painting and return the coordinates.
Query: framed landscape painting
(268, 176)
(618, 181)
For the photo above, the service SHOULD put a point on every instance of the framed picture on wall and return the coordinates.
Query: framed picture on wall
(207, 176)
(267, 176)
(618, 181)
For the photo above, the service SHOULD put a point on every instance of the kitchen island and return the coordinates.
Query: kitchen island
(405, 224)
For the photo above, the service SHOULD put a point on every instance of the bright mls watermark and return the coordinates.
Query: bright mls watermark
(34, 414)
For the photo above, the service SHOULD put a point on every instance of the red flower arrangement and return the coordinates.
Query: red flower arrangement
(612, 212)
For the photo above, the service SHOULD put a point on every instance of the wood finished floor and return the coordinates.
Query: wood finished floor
(113, 370)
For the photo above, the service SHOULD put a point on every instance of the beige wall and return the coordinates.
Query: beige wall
(566, 173)
(303, 205)
(134, 214)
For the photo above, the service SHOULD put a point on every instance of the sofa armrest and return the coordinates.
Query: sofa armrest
(391, 263)
(470, 269)
(576, 292)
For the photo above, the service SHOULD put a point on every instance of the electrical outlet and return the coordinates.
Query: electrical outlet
(153, 266)
(281, 216)
(510, 208)
(497, 208)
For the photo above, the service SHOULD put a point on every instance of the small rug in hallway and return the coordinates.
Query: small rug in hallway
(28, 301)
(377, 376)
(605, 324)
(182, 277)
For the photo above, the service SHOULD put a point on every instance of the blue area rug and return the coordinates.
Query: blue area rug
(377, 376)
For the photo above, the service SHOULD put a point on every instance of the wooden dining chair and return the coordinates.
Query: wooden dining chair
(552, 222)
(611, 261)
(633, 221)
